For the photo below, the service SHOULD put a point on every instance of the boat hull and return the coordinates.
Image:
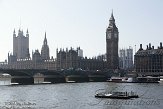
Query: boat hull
(113, 97)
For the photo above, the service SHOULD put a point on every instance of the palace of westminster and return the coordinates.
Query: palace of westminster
(68, 58)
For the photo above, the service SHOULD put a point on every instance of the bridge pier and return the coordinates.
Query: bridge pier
(38, 80)
(23, 81)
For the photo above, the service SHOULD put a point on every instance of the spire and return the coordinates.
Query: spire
(27, 33)
(45, 50)
(27, 30)
(112, 20)
(14, 34)
(112, 17)
(45, 34)
(14, 31)
(45, 40)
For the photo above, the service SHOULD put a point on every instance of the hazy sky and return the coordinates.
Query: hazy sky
(80, 23)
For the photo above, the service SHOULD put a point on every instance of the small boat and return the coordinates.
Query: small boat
(46, 82)
(14, 83)
(117, 95)
(70, 81)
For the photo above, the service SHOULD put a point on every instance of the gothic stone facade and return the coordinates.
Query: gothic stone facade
(20, 59)
(35, 63)
(21, 45)
(149, 60)
(65, 59)
(126, 58)
(71, 59)
(45, 49)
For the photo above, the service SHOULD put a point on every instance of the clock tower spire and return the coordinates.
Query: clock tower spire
(112, 38)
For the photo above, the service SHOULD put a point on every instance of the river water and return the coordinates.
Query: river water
(79, 96)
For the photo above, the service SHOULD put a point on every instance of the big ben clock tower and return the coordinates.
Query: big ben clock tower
(112, 36)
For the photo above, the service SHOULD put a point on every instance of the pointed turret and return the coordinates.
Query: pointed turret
(112, 17)
(14, 34)
(45, 40)
(112, 20)
(14, 31)
(20, 33)
(45, 35)
(27, 30)
(27, 33)
(45, 50)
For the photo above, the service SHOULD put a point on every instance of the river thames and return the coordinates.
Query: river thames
(79, 96)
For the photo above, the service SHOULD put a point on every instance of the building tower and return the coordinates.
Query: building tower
(112, 36)
(45, 49)
(21, 45)
(126, 58)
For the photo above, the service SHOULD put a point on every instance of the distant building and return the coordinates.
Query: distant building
(149, 59)
(71, 59)
(36, 56)
(112, 37)
(22, 60)
(80, 52)
(35, 63)
(102, 57)
(126, 58)
(67, 59)
(4, 65)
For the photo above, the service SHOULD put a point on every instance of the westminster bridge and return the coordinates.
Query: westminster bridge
(34, 76)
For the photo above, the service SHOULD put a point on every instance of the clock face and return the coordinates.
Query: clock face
(109, 35)
(115, 35)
